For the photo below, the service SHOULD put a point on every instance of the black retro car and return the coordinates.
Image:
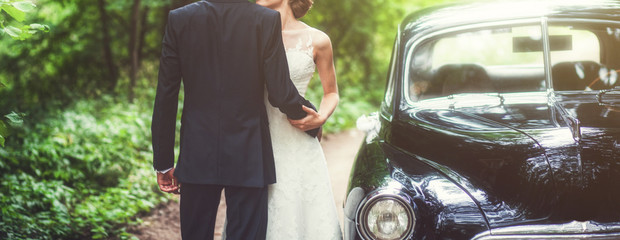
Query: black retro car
(501, 120)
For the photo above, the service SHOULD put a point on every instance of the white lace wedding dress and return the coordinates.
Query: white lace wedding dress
(301, 203)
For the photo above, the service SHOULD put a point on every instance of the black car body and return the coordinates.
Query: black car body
(501, 120)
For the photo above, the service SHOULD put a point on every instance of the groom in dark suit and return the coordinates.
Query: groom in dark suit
(225, 52)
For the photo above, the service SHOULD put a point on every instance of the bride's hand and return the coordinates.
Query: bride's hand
(311, 121)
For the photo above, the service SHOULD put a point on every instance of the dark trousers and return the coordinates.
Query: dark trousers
(246, 211)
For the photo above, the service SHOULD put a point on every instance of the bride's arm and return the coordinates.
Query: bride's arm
(327, 73)
(323, 57)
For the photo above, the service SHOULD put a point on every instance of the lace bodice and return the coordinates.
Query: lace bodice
(299, 54)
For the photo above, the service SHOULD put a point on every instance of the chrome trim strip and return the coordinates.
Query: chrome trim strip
(613, 236)
(599, 95)
(546, 53)
(581, 20)
(571, 230)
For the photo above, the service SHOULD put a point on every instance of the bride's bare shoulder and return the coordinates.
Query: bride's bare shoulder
(320, 39)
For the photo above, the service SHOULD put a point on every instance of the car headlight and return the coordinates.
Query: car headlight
(386, 216)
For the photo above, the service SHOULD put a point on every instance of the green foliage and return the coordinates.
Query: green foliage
(14, 120)
(4, 131)
(12, 8)
(54, 69)
(354, 102)
(84, 173)
(17, 10)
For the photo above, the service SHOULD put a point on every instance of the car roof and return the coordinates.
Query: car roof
(452, 15)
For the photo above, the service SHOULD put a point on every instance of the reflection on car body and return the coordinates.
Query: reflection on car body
(500, 121)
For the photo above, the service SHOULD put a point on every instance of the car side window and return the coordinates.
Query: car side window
(504, 59)
(580, 63)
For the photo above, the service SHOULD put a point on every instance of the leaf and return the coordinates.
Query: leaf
(15, 118)
(14, 13)
(24, 6)
(4, 130)
(40, 27)
(13, 31)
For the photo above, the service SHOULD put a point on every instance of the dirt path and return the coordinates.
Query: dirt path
(340, 150)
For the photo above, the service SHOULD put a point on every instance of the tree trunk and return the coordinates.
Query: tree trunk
(112, 75)
(142, 36)
(133, 47)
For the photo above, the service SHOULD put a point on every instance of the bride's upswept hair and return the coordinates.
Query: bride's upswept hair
(300, 7)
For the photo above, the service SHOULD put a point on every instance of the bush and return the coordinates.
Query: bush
(84, 172)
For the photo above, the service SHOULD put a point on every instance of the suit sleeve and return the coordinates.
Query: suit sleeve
(282, 92)
(166, 100)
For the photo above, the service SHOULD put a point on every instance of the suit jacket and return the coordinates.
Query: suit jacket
(226, 52)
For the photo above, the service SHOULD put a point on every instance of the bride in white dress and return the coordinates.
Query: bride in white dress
(301, 203)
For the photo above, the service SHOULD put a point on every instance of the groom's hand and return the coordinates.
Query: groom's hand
(311, 121)
(168, 182)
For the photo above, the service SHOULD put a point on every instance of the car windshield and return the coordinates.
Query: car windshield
(511, 59)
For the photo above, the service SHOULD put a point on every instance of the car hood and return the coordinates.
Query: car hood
(523, 157)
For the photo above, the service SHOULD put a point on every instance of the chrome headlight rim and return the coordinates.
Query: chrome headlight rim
(371, 199)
